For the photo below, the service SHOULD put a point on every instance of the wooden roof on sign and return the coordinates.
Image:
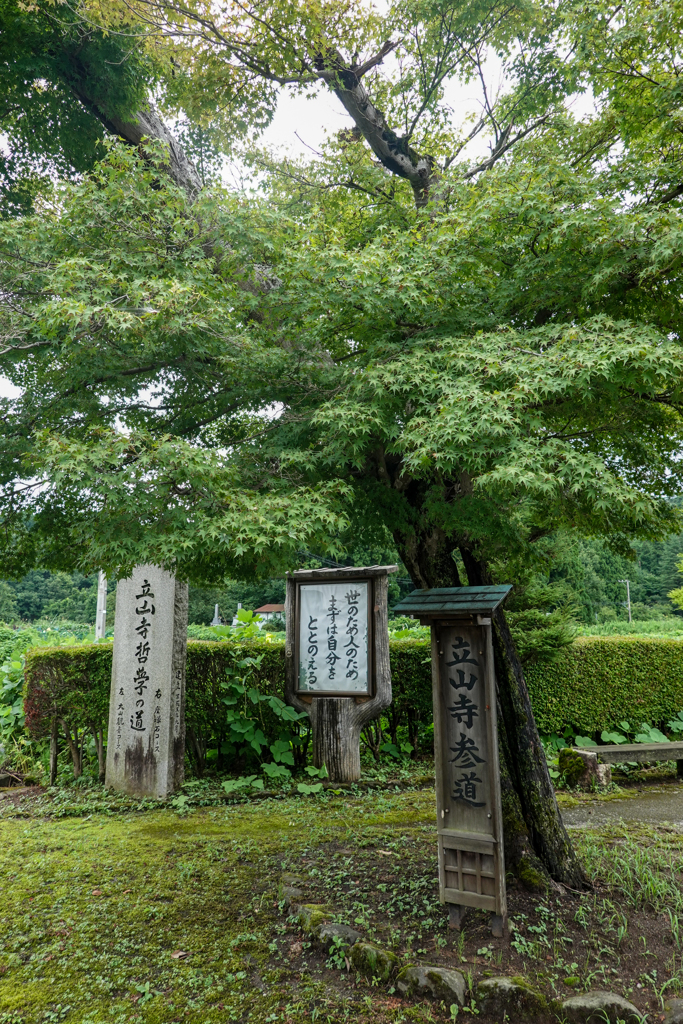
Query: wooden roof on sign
(312, 575)
(455, 601)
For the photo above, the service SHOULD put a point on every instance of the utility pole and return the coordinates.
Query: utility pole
(101, 616)
(628, 596)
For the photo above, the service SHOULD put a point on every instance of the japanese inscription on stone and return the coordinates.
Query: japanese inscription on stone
(146, 746)
(333, 637)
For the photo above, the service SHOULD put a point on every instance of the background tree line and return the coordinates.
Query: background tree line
(583, 577)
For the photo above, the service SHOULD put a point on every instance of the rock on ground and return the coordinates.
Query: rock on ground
(581, 769)
(327, 933)
(289, 893)
(371, 961)
(512, 998)
(438, 982)
(598, 1007)
(311, 916)
(673, 1011)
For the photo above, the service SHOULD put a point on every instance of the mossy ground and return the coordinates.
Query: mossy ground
(99, 893)
(94, 907)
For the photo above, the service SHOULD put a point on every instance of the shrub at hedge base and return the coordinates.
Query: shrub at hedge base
(70, 684)
(593, 684)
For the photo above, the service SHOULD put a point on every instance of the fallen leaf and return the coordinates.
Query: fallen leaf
(180, 954)
(97, 892)
(126, 891)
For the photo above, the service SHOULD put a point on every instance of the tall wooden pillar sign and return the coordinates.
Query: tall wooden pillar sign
(337, 658)
(468, 804)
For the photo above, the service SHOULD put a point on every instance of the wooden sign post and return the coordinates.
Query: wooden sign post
(468, 804)
(337, 658)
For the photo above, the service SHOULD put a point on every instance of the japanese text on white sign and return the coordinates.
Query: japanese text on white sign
(333, 637)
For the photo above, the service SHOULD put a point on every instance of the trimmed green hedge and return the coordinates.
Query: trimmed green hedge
(67, 683)
(597, 681)
(592, 685)
(72, 684)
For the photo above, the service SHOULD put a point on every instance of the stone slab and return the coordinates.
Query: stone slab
(146, 739)
(581, 769)
(618, 753)
(511, 999)
(329, 933)
(372, 962)
(437, 982)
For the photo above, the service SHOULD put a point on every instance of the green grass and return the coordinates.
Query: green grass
(642, 869)
(99, 891)
(94, 907)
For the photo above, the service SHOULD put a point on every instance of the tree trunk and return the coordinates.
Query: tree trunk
(98, 736)
(394, 720)
(198, 748)
(533, 827)
(54, 751)
(337, 724)
(75, 747)
(372, 736)
(413, 717)
(145, 124)
(536, 841)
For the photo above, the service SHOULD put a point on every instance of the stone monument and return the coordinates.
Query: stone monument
(146, 740)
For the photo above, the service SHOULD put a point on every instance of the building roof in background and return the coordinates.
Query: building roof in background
(269, 608)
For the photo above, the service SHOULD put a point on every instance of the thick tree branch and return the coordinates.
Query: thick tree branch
(148, 124)
(391, 150)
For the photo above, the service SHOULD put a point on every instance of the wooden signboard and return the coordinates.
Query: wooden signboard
(337, 658)
(468, 804)
(334, 636)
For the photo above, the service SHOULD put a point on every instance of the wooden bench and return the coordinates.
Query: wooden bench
(617, 753)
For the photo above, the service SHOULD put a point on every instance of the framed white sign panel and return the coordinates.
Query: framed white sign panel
(333, 639)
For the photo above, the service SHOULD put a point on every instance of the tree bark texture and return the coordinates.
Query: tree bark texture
(542, 841)
(145, 124)
(75, 744)
(336, 722)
